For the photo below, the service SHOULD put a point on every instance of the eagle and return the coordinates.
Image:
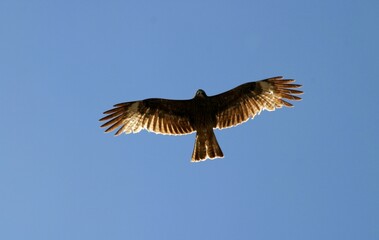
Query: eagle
(202, 113)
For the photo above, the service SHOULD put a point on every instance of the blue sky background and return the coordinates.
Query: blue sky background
(311, 172)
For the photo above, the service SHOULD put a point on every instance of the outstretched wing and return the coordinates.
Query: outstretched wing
(156, 115)
(248, 100)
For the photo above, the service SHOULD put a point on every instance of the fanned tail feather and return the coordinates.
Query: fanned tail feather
(206, 146)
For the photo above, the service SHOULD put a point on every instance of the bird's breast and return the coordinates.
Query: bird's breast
(203, 116)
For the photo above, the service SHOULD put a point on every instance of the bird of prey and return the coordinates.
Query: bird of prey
(202, 113)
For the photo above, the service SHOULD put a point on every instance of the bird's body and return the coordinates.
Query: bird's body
(202, 113)
(206, 145)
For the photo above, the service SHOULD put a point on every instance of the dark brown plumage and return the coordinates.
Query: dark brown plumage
(202, 114)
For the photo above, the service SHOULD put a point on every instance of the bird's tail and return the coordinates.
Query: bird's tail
(206, 146)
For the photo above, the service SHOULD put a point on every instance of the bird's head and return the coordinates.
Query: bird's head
(200, 93)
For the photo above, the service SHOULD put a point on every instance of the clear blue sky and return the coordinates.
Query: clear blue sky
(310, 172)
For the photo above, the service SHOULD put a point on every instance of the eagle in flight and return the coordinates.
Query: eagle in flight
(202, 113)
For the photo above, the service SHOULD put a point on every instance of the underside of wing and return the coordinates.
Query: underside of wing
(248, 100)
(156, 115)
